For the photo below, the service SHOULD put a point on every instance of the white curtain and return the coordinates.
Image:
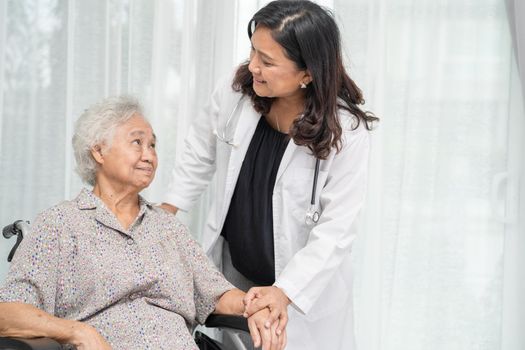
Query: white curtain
(434, 266)
(442, 205)
(514, 261)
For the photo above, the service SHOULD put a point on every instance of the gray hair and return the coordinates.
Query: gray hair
(96, 126)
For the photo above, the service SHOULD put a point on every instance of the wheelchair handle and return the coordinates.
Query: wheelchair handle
(17, 229)
(10, 230)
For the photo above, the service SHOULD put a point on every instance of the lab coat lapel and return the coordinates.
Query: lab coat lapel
(247, 122)
(287, 157)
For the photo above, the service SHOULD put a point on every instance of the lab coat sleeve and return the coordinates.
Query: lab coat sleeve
(196, 165)
(311, 268)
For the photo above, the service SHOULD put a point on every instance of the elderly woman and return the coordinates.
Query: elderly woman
(108, 269)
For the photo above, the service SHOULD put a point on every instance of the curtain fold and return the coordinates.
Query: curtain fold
(514, 262)
(516, 14)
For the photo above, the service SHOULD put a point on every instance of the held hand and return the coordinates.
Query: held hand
(274, 299)
(263, 336)
(85, 337)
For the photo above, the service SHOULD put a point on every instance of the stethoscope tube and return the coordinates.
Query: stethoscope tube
(312, 215)
(314, 186)
(222, 136)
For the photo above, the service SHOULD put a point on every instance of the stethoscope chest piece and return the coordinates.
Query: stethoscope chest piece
(312, 215)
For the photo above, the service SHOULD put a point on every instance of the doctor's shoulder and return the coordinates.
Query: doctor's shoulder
(352, 126)
(224, 85)
(224, 95)
(355, 137)
(220, 90)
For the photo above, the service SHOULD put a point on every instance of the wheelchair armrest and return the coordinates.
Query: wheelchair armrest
(227, 321)
(29, 344)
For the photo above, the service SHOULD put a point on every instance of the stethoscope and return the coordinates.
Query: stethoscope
(312, 215)
(222, 136)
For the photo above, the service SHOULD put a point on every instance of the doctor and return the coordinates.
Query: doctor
(288, 146)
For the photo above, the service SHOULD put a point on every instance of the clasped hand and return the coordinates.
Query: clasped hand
(266, 309)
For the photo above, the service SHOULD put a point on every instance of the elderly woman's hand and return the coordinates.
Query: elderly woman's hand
(274, 299)
(85, 337)
(267, 337)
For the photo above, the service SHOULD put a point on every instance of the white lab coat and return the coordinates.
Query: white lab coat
(312, 263)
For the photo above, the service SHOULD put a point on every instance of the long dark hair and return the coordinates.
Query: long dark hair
(310, 37)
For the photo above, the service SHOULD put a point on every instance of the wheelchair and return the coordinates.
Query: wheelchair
(232, 329)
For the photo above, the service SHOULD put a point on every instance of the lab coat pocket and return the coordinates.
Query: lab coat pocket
(299, 185)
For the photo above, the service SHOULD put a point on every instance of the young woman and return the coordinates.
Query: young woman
(288, 146)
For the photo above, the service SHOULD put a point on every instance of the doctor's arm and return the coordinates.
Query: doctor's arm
(307, 274)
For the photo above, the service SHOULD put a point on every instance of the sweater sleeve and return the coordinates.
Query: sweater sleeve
(33, 274)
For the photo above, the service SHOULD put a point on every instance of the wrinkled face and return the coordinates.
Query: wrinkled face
(274, 74)
(131, 160)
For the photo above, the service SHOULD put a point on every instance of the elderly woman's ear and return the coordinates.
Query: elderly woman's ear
(96, 152)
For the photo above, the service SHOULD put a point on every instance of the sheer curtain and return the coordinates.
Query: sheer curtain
(437, 260)
(442, 204)
(514, 262)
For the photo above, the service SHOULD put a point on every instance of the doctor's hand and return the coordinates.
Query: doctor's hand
(265, 337)
(274, 299)
(169, 208)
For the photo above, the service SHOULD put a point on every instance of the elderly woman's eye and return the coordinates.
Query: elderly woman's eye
(153, 145)
(137, 142)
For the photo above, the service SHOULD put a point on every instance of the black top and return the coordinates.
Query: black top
(249, 223)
